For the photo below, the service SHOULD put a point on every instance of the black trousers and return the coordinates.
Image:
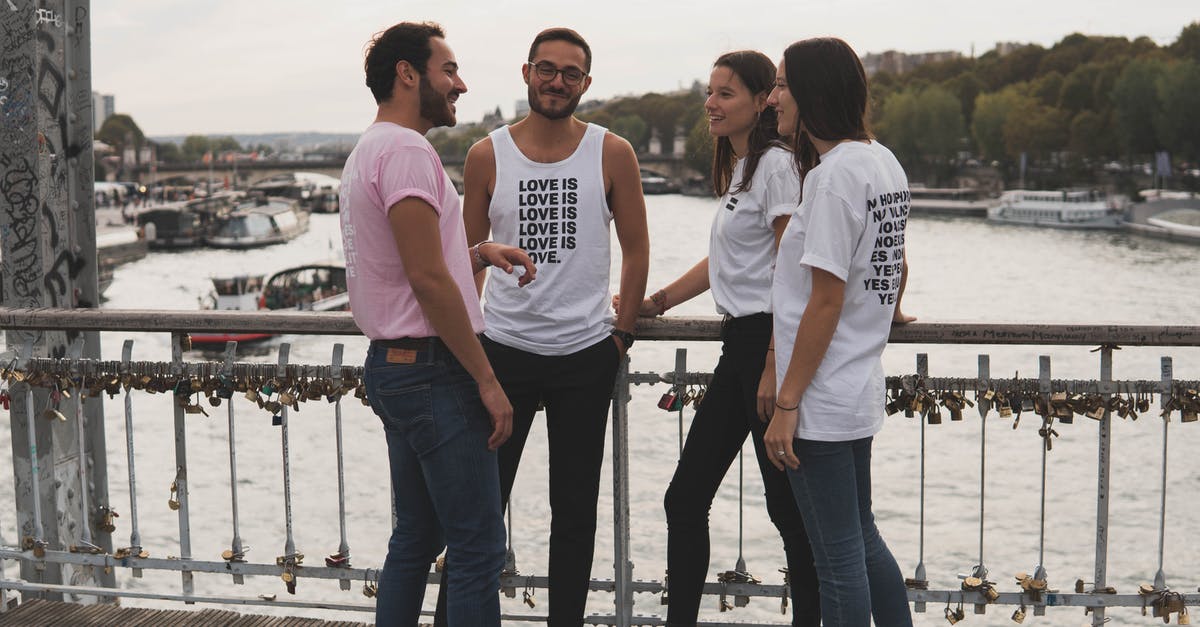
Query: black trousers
(726, 416)
(576, 390)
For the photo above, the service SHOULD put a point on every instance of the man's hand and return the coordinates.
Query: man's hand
(504, 257)
(500, 411)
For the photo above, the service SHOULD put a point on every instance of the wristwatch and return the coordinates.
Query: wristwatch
(625, 336)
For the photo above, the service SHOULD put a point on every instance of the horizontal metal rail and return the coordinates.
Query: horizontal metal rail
(668, 329)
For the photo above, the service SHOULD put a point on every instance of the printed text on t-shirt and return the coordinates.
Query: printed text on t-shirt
(889, 215)
(546, 209)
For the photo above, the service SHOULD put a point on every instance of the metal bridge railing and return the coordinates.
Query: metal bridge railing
(62, 386)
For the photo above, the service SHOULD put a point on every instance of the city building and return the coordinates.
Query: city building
(103, 106)
(895, 62)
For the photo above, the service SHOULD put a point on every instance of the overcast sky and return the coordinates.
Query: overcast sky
(252, 66)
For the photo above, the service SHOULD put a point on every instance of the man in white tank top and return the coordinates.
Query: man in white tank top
(554, 184)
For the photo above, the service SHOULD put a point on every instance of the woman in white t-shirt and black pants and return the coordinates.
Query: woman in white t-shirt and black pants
(759, 185)
(839, 276)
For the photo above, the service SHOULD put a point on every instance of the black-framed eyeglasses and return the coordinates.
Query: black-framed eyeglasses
(546, 71)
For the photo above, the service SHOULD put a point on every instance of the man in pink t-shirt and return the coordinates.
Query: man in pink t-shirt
(412, 292)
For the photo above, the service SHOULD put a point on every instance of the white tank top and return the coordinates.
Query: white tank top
(558, 213)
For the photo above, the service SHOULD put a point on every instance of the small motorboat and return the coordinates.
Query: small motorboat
(243, 292)
(311, 287)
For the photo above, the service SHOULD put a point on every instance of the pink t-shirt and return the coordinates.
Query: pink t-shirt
(391, 163)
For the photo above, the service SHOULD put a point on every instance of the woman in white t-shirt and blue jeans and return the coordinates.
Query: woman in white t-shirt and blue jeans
(839, 276)
(759, 186)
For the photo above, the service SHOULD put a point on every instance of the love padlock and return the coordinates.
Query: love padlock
(670, 402)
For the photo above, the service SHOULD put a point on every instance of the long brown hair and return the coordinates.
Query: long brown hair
(757, 73)
(827, 81)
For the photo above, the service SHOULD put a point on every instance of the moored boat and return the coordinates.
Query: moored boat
(655, 183)
(1084, 209)
(315, 192)
(259, 222)
(185, 224)
(237, 293)
(1168, 214)
(313, 287)
(954, 201)
(310, 287)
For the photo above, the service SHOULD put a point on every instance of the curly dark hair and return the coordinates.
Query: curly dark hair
(406, 41)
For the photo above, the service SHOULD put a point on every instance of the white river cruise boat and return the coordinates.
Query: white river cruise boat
(1087, 209)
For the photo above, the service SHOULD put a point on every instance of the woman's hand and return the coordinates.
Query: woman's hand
(647, 310)
(766, 389)
(779, 436)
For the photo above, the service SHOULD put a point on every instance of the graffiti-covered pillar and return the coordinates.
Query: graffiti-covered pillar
(48, 259)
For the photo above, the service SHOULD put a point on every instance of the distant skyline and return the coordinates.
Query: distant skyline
(224, 67)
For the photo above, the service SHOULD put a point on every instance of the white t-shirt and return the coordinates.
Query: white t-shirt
(850, 224)
(558, 213)
(741, 248)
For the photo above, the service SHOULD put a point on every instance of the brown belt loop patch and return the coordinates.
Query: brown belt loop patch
(401, 356)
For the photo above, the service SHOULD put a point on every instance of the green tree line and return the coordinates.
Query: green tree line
(1073, 107)
(1080, 103)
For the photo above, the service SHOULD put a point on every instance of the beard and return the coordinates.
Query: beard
(434, 105)
(567, 109)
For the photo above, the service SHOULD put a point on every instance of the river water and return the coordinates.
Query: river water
(962, 269)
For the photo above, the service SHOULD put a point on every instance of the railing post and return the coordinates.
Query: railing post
(237, 550)
(985, 374)
(135, 536)
(622, 564)
(290, 558)
(1046, 390)
(181, 470)
(919, 576)
(343, 555)
(1103, 470)
(680, 371)
(1160, 577)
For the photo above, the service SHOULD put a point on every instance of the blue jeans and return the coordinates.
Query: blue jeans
(858, 576)
(445, 484)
